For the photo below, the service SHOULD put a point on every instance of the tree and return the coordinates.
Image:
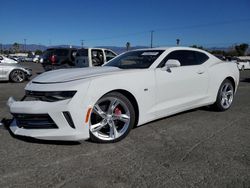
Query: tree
(232, 53)
(241, 49)
(15, 47)
(195, 46)
(38, 52)
(218, 52)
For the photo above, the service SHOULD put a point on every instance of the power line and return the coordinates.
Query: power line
(151, 44)
(118, 36)
(208, 44)
(225, 22)
(82, 42)
(25, 44)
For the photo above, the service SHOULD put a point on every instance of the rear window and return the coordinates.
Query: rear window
(82, 52)
(57, 52)
(47, 53)
(61, 52)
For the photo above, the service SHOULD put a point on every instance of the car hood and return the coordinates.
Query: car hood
(9, 61)
(67, 75)
(11, 65)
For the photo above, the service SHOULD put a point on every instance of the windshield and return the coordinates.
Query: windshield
(82, 52)
(141, 59)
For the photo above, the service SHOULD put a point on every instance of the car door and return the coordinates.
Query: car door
(181, 88)
(82, 58)
(97, 57)
(109, 55)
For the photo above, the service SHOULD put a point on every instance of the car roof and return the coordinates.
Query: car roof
(61, 48)
(171, 48)
(95, 49)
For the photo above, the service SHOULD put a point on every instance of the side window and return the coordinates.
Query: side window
(61, 52)
(97, 57)
(109, 55)
(186, 57)
(201, 57)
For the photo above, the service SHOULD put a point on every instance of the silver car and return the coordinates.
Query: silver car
(14, 72)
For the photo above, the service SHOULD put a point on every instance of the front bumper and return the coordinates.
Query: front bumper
(28, 72)
(63, 130)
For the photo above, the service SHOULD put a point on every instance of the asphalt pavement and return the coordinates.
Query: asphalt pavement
(198, 148)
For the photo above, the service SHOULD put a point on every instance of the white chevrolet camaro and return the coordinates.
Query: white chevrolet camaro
(136, 87)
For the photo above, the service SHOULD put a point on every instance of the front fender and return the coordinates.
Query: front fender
(140, 84)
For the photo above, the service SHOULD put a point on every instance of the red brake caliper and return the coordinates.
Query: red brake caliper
(118, 111)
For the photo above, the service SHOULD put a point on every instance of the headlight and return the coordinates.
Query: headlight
(49, 96)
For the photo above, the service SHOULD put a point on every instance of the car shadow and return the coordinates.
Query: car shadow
(6, 124)
(4, 81)
(204, 108)
(245, 80)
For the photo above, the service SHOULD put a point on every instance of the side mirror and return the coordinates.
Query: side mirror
(170, 64)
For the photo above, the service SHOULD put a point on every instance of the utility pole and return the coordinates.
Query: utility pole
(24, 45)
(152, 35)
(128, 46)
(82, 43)
(178, 42)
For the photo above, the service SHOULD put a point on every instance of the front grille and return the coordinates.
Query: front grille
(34, 121)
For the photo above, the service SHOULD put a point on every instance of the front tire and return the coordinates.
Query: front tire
(17, 76)
(111, 119)
(225, 96)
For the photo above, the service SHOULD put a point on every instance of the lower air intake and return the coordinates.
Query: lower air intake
(34, 121)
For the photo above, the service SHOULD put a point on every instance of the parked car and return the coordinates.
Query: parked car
(4, 59)
(29, 58)
(36, 59)
(89, 57)
(14, 72)
(16, 58)
(243, 65)
(105, 103)
(56, 58)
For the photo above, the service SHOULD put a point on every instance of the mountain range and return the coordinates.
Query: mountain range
(118, 50)
(34, 47)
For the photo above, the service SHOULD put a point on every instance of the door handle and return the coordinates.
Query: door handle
(200, 71)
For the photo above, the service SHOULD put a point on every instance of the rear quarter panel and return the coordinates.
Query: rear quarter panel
(218, 72)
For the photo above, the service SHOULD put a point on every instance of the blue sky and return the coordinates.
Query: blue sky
(113, 23)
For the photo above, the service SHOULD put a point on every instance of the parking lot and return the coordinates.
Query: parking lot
(198, 148)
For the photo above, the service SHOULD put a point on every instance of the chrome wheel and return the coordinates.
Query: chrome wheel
(111, 118)
(17, 76)
(227, 94)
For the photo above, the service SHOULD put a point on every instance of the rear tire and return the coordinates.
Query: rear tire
(111, 119)
(225, 96)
